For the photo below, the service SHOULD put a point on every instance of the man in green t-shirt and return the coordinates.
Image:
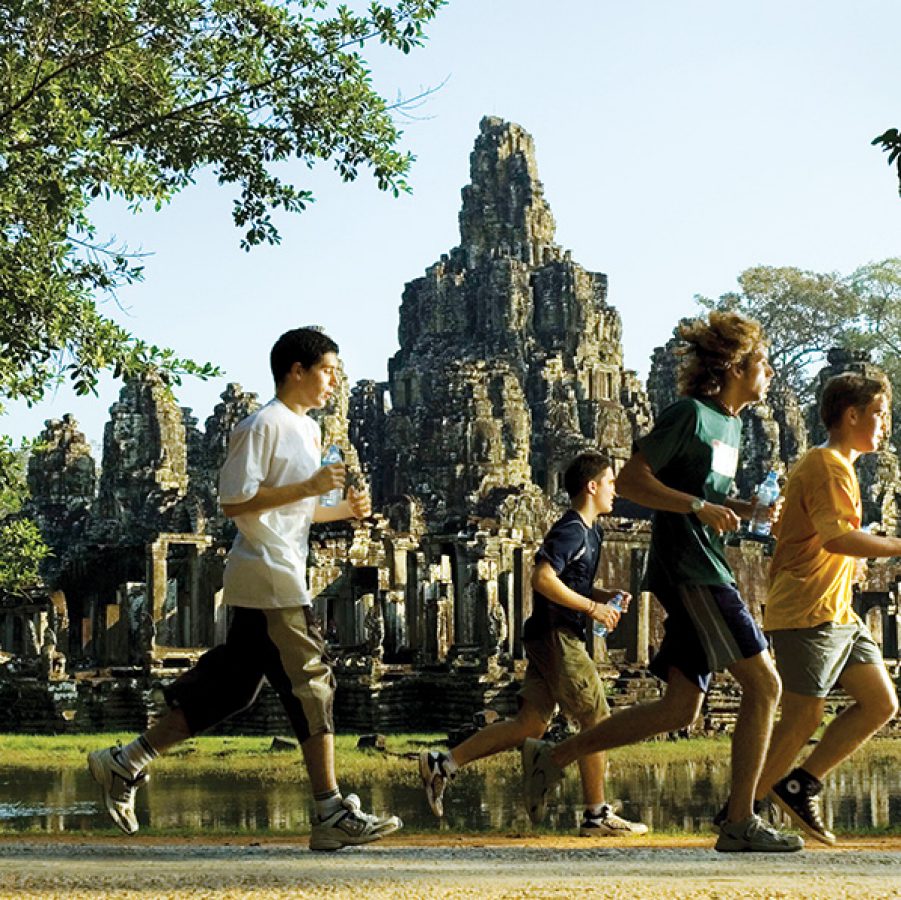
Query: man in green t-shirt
(684, 470)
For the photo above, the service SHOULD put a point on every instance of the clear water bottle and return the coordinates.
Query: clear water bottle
(333, 497)
(767, 494)
(615, 601)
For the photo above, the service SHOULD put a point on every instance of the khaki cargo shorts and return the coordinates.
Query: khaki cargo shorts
(561, 673)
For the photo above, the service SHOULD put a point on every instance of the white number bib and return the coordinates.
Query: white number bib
(725, 459)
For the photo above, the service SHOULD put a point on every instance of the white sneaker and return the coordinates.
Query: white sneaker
(349, 826)
(119, 787)
(435, 778)
(608, 824)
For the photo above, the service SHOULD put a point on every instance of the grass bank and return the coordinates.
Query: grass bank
(251, 757)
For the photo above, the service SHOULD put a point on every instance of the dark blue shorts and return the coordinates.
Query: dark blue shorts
(707, 628)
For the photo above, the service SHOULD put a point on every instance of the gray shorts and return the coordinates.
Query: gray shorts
(811, 660)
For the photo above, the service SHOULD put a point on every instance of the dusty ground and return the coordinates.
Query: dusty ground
(428, 867)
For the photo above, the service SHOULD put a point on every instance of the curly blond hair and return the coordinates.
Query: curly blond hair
(713, 346)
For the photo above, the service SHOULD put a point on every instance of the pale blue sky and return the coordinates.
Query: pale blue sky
(678, 143)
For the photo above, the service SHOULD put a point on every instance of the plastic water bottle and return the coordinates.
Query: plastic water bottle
(767, 494)
(616, 601)
(333, 497)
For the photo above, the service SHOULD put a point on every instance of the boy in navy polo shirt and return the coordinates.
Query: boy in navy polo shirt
(560, 671)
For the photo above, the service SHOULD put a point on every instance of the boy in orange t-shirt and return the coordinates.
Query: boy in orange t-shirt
(817, 638)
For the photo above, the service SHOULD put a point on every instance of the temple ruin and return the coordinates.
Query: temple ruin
(510, 362)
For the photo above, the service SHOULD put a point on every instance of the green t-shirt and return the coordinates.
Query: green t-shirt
(692, 448)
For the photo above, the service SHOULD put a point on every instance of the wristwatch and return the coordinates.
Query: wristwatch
(697, 504)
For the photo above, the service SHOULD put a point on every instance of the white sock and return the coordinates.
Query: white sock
(327, 803)
(136, 756)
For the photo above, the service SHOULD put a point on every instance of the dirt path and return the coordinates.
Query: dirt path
(419, 867)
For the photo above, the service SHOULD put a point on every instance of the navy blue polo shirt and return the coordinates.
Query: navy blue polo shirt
(573, 550)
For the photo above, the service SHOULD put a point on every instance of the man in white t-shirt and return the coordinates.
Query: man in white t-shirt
(270, 486)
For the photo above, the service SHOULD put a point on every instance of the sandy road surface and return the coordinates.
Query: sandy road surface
(432, 868)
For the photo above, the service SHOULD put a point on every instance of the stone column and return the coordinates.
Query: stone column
(643, 619)
(156, 583)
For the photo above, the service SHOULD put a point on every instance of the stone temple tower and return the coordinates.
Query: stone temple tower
(510, 359)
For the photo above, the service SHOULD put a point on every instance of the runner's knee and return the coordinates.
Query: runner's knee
(760, 682)
(680, 710)
(530, 724)
(882, 708)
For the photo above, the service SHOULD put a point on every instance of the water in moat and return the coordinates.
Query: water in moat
(684, 796)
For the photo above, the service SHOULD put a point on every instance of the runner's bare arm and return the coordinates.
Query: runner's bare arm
(638, 483)
(863, 544)
(546, 581)
(267, 498)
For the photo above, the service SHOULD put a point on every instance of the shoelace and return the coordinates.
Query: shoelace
(126, 789)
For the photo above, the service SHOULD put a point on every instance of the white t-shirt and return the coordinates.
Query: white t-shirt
(267, 564)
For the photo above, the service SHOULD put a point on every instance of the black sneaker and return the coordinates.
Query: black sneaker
(796, 795)
(722, 816)
(435, 778)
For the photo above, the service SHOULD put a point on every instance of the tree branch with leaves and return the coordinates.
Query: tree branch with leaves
(890, 142)
(132, 99)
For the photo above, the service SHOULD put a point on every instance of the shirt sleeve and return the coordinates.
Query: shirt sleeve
(245, 465)
(561, 545)
(832, 502)
(675, 426)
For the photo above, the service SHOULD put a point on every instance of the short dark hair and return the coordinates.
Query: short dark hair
(847, 390)
(302, 345)
(584, 468)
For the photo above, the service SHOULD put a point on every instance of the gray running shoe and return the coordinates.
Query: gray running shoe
(350, 826)
(722, 816)
(539, 776)
(435, 778)
(119, 787)
(753, 835)
(608, 824)
(797, 796)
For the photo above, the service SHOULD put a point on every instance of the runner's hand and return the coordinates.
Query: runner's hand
(326, 479)
(360, 502)
(603, 595)
(606, 614)
(719, 518)
(773, 512)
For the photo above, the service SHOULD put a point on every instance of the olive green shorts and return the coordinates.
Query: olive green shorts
(811, 660)
(561, 673)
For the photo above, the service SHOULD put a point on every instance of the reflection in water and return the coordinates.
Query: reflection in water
(676, 795)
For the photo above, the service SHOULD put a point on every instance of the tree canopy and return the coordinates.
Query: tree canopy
(131, 99)
(802, 313)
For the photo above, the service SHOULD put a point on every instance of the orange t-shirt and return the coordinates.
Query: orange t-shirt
(809, 585)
